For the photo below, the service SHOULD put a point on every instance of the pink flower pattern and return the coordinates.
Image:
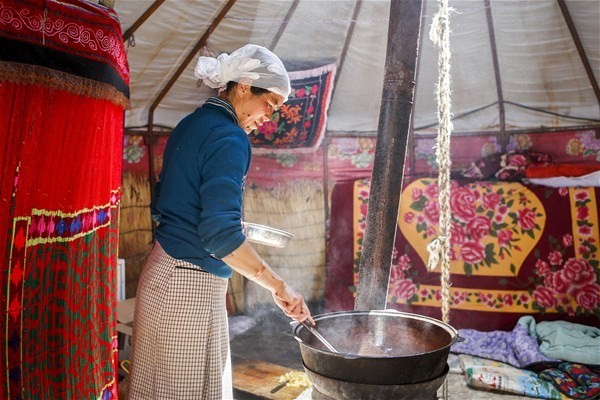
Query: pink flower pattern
(560, 282)
(477, 213)
(564, 283)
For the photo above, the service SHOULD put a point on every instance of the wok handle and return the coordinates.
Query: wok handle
(321, 338)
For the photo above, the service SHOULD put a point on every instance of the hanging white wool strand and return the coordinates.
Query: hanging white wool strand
(439, 248)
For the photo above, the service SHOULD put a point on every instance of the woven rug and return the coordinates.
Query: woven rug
(299, 125)
(63, 89)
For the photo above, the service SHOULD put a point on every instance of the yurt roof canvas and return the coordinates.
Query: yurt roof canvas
(515, 64)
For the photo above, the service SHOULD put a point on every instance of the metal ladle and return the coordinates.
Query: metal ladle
(320, 337)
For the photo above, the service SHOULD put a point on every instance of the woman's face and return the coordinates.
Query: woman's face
(253, 110)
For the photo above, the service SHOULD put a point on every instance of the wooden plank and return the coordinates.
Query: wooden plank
(259, 378)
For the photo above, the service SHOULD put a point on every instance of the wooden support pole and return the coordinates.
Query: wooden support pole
(392, 134)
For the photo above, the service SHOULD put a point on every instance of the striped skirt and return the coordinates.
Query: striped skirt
(180, 334)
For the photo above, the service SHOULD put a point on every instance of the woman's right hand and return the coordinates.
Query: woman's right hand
(292, 304)
(247, 262)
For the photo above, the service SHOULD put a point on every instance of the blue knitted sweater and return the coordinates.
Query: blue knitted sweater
(198, 200)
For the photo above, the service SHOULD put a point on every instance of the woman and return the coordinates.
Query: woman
(180, 337)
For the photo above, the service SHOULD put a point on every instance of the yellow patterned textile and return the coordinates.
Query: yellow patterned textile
(516, 250)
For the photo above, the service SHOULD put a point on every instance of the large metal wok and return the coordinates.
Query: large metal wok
(383, 347)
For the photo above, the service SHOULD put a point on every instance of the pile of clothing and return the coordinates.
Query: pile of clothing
(547, 360)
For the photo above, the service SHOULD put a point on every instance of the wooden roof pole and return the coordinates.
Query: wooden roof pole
(392, 134)
(190, 56)
(494, 49)
(284, 25)
(326, 138)
(153, 7)
(582, 54)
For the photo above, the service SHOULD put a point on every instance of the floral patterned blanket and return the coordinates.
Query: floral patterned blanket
(516, 250)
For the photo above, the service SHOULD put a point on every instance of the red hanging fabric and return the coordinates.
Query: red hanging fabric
(61, 134)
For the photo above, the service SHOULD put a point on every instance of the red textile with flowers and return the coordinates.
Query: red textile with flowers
(63, 89)
(512, 253)
(300, 123)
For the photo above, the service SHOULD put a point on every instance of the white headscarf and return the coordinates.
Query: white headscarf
(254, 62)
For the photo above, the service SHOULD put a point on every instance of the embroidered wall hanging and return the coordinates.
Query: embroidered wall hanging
(299, 125)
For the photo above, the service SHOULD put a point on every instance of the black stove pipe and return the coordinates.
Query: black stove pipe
(388, 168)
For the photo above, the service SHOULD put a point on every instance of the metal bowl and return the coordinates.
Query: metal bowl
(266, 235)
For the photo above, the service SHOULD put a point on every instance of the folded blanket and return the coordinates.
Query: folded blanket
(499, 377)
(566, 341)
(567, 170)
(574, 380)
(591, 179)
